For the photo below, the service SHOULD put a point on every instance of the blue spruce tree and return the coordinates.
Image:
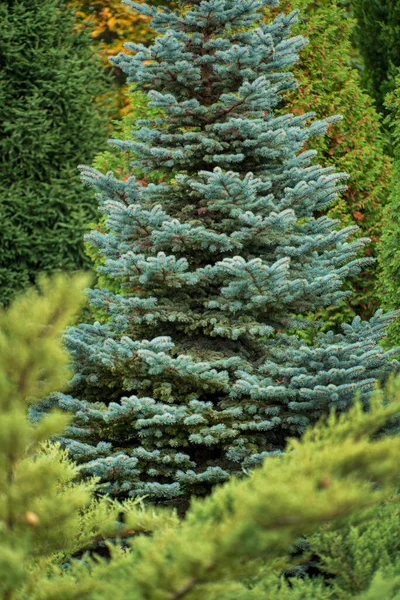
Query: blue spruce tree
(195, 373)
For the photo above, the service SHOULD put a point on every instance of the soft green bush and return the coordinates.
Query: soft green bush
(337, 486)
(388, 285)
(352, 554)
(45, 518)
(232, 546)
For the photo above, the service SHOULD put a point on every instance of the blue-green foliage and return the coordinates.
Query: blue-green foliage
(195, 374)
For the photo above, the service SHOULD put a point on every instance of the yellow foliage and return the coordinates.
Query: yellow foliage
(111, 24)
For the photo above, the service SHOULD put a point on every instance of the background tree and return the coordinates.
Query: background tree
(112, 23)
(195, 374)
(329, 85)
(227, 546)
(377, 38)
(49, 122)
(389, 282)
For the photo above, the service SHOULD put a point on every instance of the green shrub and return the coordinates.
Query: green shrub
(42, 523)
(377, 38)
(234, 544)
(388, 285)
(50, 121)
(337, 484)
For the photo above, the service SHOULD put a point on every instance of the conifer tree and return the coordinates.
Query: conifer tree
(196, 375)
(49, 122)
(328, 84)
(42, 523)
(226, 547)
(377, 38)
(389, 258)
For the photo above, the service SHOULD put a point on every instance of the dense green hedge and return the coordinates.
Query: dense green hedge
(329, 85)
(377, 38)
(388, 285)
(49, 123)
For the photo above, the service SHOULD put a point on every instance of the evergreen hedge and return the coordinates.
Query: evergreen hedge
(50, 121)
(328, 85)
(388, 285)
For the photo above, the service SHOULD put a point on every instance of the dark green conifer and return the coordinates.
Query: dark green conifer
(49, 123)
(388, 285)
(377, 38)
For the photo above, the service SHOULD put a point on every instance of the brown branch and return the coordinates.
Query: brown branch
(190, 585)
